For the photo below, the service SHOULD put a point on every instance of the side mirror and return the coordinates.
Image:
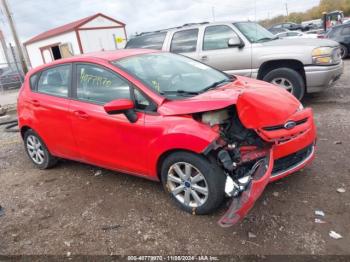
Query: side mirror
(232, 42)
(122, 106)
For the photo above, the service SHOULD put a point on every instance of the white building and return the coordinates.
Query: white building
(91, 34)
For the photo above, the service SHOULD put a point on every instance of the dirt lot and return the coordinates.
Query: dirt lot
(69, 209)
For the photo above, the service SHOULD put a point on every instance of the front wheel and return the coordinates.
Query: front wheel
(288, 79)
(195, 184)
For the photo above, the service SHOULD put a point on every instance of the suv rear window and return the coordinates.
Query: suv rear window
(184, 41)
(149, 41)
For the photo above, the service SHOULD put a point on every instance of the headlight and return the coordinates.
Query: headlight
(325, 56)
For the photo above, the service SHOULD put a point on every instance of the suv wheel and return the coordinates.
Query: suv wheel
(343, 51)
(195, 184)
(37, 151)
(288, 79)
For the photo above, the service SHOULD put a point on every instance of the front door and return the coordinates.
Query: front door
(216, 52)
(109, 141)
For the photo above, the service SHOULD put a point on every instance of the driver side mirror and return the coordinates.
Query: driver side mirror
(235, 41)
(122, 106)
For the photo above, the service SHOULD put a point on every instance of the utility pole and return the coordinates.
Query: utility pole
(15, 35)
(287, 9)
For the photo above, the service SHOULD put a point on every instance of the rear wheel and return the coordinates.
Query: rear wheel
(195, 184)
(343, 51)
(288, 79)
(37, 151)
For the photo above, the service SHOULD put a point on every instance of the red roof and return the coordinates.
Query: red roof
(68, 28)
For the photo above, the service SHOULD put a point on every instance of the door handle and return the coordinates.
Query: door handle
(204, 58)
(35, 102)
(81, 114)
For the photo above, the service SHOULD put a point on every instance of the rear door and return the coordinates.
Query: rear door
(109, 141)
(185, 42)
(50, 107)
(216, 52)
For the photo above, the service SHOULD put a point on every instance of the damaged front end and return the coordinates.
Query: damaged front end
(246, 159)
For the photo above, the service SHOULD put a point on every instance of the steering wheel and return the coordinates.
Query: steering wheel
(172, 80)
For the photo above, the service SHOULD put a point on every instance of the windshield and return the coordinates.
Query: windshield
(173, 76)
(255, 32)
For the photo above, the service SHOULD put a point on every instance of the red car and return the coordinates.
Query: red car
(204, 134)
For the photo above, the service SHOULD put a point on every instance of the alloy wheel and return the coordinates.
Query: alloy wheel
(187, 184)
(284, 83)
(35, 149)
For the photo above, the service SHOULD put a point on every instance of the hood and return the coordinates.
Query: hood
(258, 103)
(310, 42)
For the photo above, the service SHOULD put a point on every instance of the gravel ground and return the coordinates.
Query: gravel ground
(72, 208)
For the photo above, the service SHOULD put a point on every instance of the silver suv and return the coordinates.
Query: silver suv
(248, 49)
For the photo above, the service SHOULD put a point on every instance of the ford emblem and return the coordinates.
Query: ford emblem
(290, 125)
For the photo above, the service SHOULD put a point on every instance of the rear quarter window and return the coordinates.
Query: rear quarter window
(32, 81)
(150, 41)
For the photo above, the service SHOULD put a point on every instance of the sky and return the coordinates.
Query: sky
(36, 16)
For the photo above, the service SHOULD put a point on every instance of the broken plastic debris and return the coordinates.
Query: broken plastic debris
(98, 173)
(319, 213)
(251, 235)
(111, 227)
(319, 221)
(335, 235)
(341, 190)
(275, 194)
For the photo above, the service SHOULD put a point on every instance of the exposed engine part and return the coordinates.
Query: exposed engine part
(234, 187)
(226, 160)
(213, 118)
(233, 132)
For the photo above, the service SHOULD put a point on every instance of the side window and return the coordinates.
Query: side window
(55, 81)
(150, 41)
(346, 31)
(184, 41)
(216, 37)
(33, 79)
(99, 85)
(141, 102)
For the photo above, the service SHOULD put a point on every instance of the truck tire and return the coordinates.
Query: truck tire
(196, 185)
(344, 52)
(288, 79)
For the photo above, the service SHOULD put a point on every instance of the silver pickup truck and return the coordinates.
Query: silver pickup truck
(246, 48)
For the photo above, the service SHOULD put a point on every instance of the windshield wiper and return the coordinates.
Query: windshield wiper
(216, 84)
(178, 92)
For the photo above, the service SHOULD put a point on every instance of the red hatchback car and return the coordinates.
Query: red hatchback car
(204, 134)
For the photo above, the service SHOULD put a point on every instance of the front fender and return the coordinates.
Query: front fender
(177, 141)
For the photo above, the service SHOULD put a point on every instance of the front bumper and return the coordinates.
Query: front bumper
(319, 78)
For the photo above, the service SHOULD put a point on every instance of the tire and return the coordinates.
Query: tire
(344, 51)
(291, 76)
(214, 182)
(37, 151)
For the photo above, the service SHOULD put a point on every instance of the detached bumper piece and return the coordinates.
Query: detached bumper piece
(242, 204)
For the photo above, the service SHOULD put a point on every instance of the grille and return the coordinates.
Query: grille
(273, 128)
(291, 160)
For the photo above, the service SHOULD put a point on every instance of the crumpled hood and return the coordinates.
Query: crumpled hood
(258, 103)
